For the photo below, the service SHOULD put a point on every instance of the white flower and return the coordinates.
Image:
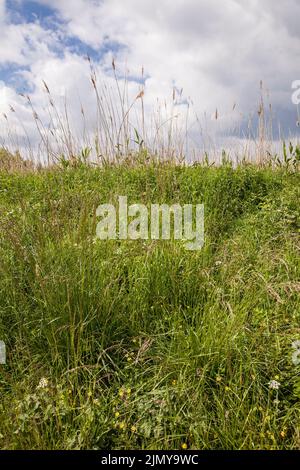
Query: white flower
(296, 357)
(274, 385)
(296, 344)
(43, 383)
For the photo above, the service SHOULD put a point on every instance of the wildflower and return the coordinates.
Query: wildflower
(218, 379)
(296, 357)
(282, 434)
(174, 382)
(43, 383)
(121, 393)
(296, 353)
(218, 263)
(117, 414)
(184, 446)
(90, 394)
(122, 425)
(274, 385)
(128, 391)
(227, 388)
(133, 429)
(296, 344)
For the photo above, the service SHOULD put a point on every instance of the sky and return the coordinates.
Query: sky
(215, 55)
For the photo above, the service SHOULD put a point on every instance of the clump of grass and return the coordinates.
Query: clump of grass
(118, 124)
(124, 344)
(10, 162)
(121, 127)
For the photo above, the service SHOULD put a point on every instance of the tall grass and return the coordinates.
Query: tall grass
(122, 125)
(122, 344)
(142, 344)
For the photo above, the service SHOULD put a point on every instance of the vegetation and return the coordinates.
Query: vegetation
(10, 162)
(142, 344)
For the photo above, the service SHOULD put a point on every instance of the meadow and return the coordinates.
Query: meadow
(142, 344)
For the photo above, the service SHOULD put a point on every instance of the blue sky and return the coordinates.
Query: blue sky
(20, 12)
(217, 54)
(27, 11)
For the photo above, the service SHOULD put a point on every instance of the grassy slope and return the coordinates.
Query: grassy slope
(180, 345)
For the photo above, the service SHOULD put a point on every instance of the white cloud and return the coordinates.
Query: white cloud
(217, 52)
(23, 43)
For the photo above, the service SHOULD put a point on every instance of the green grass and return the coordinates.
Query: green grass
(145, 345)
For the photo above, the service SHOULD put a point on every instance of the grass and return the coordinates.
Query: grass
(142, 344)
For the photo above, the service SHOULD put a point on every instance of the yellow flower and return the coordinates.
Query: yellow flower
(128, 391)
(277, 377)
(283, 434)
(90, 394)
(218, 379)
(174, 382)
(121, 393)
(227, 389)
(122, 425)
(133, 429)
(184, 446)
(117, 414)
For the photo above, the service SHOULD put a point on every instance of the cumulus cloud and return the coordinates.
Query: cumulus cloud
(23, 43)
(217, 53)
